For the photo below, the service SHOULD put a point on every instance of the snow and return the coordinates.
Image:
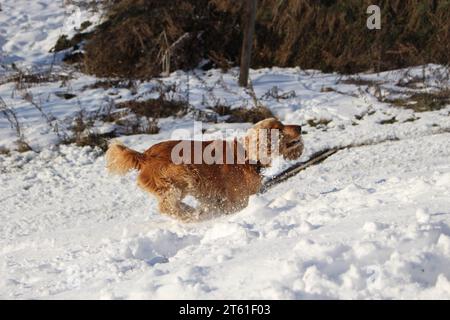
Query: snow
(370, 222)
(29, 29)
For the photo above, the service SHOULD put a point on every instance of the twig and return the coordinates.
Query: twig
(316, 158)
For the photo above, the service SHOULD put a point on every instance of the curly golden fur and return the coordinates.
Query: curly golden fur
(218, 188)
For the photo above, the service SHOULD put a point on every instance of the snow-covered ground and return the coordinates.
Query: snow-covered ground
(370, 222)
(29, 29)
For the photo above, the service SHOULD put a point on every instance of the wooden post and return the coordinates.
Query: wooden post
(249, 30)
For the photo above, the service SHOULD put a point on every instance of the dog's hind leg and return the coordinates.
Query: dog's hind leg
(171, 205)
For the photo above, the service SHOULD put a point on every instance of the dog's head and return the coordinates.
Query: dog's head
(270, 137)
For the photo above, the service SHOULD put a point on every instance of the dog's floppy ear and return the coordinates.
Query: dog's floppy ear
(262, 142)
(291, 146)
(292, 130)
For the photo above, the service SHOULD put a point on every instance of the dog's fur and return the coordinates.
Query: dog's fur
(218, 188)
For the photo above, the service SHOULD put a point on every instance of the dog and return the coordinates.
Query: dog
(220, 187)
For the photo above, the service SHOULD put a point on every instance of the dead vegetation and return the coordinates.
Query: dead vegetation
(142, 38)
(276, 93)
(137, 125)
(139, 35)
(65, 95)
(111, 83)
(93, 5)
(51, 120)
(424, 92)
(388, 121)
(358, 81)
(251, 115)
(11, 116)
(64, 42)
(242, 114)
(4, 151)
(155, 108)
(424, 101)
(27, 78)
(318, 123)
(83, 133)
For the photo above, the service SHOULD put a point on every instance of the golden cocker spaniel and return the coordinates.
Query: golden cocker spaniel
(171, 170)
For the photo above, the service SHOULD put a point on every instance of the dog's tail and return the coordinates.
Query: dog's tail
(120, 159)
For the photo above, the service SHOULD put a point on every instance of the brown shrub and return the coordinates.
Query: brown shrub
(95, 140)
(137, 125)
(319, 123)
(111, 83)
(23, 146)
(4, 151)
(137, 34)
(64, 42)
(222, 110)
(27, 78)
(322, 34)
(74, 58)
(84, 25)
(252, 115)
(425, 101)
(155, 108)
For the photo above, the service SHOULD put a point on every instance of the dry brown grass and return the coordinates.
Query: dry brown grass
(321, 34)
(4, 151)
(388, 121)
(27, 78)
(11, 117)
(95, 140)
(137, 125)
(426, 101)
(64, 42)
(251, 115)
(23, 146)
(111, 83)
(243, 114)
(318, 123)
(155, 108)
(132, 42)
(83, 133)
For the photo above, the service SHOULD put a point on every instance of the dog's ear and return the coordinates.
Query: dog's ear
(258, 145)
(292, 130)
(291, 146)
